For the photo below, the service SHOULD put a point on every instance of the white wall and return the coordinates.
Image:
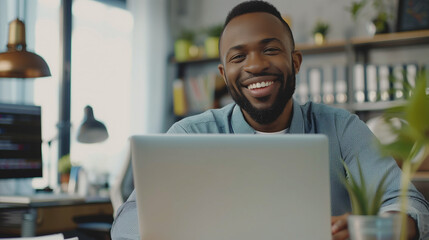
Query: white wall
(150, 50)
(304, 14)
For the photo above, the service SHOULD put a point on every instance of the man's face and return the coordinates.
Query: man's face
(258, 65)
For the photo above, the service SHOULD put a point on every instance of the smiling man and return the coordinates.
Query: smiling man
(258, 64)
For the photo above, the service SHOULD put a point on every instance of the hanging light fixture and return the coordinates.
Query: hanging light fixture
(17, 62)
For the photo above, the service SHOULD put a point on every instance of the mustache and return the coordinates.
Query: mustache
(251, 75)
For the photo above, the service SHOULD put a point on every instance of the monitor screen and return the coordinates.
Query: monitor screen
(20, 141)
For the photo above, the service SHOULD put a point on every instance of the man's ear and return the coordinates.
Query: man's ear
(222, 72)
(297, 60)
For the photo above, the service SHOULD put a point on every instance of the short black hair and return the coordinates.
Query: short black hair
(257, 6)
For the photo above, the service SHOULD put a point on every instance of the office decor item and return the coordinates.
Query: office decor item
(411, 145)
(182, 45)
(320, 31)
(413, 15)
(374, 227)
(91, 130)
(364, 222)
(212, 41)
(17, 62)
(64, 168)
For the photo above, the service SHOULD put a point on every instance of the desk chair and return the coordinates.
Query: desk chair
(124, 186)
(93, 226)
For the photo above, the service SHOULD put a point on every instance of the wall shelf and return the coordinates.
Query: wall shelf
(328, 47)
(375, 106)
(400, 39)
(356, 50)
(421, 176)
(386, 40)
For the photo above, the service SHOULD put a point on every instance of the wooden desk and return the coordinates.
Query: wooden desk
(49, 217)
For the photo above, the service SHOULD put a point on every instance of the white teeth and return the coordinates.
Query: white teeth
(259, 85)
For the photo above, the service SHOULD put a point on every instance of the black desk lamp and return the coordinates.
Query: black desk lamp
(91, 130)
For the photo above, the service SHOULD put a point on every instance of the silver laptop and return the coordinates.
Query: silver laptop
(232, 187)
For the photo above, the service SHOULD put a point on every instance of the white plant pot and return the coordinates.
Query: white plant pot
(374, 227)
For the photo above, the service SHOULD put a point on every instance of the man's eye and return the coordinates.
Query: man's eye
(271, 50)
(237, 58)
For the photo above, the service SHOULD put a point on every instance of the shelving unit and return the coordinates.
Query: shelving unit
(356, 50)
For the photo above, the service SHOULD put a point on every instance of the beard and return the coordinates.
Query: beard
(268, 115)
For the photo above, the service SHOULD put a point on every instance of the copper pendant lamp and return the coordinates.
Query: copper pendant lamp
(17, 62)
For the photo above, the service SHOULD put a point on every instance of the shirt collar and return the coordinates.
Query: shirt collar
(297, 123)
(240, 126)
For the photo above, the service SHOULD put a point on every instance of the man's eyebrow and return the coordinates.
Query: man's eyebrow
(263, 41)
(268, 40)
(238, 47)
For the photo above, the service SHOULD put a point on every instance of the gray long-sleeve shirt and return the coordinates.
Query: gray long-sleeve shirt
(348, 136)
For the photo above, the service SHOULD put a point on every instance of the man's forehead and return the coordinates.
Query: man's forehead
(252, 26)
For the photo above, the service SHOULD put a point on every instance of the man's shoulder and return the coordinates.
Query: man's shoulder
(210, 121)
(324, 111)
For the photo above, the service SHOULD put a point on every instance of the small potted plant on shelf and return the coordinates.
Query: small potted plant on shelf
(379, 23)
(182, 45)
(364, 222)
(212, 41)
(411, 145)
(320, 31)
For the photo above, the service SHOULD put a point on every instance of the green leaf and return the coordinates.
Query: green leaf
(363, 202)
(399, 149)
(379, 192)
(417, 110)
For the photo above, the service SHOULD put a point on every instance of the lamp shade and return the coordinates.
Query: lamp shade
(17, 62)
(91, 130)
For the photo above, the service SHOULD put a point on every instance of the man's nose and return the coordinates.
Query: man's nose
(256, 63)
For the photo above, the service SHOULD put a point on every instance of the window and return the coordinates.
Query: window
(100, 77)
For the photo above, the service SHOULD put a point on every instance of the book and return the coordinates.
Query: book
(383, 83)
(411, 75)
(340, 82)
(314, 76)
(359, 83)
(179, 98)
(371, 83)
(301, 89)
(327, 86)
(398, 73)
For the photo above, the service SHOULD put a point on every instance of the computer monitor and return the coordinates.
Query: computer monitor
(20, 141)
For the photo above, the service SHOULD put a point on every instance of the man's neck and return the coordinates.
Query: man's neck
(281, 123)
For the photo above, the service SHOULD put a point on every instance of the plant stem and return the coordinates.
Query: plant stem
(406, 174)
(407, 171)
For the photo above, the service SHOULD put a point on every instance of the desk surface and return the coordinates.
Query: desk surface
(46, 217)
(47, 200)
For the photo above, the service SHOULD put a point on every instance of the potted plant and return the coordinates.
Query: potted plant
(411, 145)
(64, 167)
(212, 41)
(320, 31)
(182, 45)
(364, 222)
(379, 23)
